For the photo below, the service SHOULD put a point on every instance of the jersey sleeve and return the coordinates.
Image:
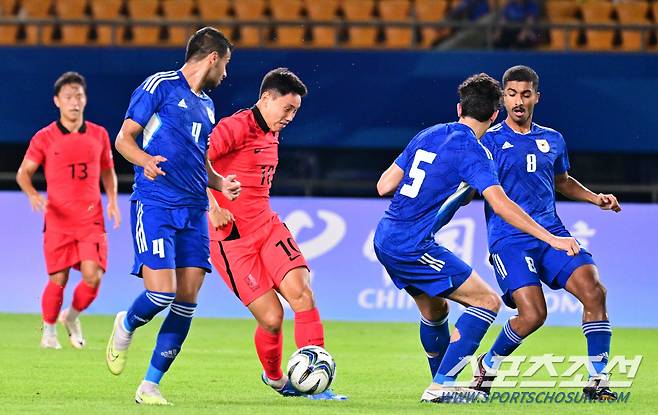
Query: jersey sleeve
(227, 136)
(476, 167)
(107, 161)
(36, 151)
(144, 102)
(561, 164)
(403, 159)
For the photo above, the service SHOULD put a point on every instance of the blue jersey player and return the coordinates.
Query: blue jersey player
(437, 172)
(169, 202)
(532, 163)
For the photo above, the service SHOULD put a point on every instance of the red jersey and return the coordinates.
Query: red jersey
(72, 163)
(243, 145)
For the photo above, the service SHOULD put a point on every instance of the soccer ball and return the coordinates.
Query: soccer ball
(311, 370)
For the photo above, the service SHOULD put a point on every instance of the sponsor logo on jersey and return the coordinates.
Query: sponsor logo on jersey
(182, 103)
(507, 145)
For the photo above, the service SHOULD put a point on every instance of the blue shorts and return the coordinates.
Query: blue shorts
(518, 265)
(437, 272)
(169, 238)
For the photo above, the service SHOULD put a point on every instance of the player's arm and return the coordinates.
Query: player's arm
(109, 180)
(24, 180)
(126, 145)
(574, 190)
(228, 185)
(517, 217)
(219, 217)
(390, 180)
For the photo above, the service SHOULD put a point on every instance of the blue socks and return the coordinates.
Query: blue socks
(598, 335)
(435, 337)
(472, 326)
(170, 339)
(506, 342)
(145, 307)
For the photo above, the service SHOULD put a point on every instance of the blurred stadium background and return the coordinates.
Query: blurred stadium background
(378, 71)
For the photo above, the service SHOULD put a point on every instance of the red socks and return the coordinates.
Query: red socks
(84, 295)
(308, 328)
(51, 302)
(269, 348)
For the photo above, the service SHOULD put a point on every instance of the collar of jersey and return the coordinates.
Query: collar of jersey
(466, 128)
(533, 128)
(259, 119)
(82, 130)
(201, 94)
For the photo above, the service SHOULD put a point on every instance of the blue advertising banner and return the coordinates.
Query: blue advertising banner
(336, 235)
(364, 99)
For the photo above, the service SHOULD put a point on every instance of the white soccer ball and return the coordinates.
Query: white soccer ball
(311, 369)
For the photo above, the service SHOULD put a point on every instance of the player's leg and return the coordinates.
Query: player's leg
(61, 254)
(83, 295)
(153, 241)
(434, 328)
(268, 337)
(288, 270)
(173, 333)
(585, 284)
(239, 265)
(295, 287)
(518, 278)
(192, 252)
(51, 304)
(482, 305)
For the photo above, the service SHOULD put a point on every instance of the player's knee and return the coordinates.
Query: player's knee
(92, 279)
(302, 299)
(272, 321)
(533, 319)
(435, 312)
(491, 301)
(596, 296)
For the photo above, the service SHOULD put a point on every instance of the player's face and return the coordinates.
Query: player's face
(280, 110)
(71, 101)
(520, 99)
(218, 70)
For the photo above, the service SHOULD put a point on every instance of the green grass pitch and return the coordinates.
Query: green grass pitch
(380, 366)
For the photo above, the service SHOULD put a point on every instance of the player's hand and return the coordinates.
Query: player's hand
(37, 202)
(114, 214)
(608, 202)
(566, 244)
(151, 168)
(230, 187)
(220, 217)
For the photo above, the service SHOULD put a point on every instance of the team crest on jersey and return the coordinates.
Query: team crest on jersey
(543, 145)
(211, 115)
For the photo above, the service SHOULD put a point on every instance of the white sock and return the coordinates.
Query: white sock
(122, 338)
(49, 329)
(73, 314)
(277, 384)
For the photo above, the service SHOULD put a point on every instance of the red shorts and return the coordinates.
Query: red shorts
(65, 250)
(253, 264)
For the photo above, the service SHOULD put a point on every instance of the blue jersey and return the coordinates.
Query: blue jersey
(436, 163)
(527, 165)
(177, 123)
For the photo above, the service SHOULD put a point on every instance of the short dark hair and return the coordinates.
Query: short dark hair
(480, 96)
(206, 41)
(67, 78)
(521, 73)
(283, 81)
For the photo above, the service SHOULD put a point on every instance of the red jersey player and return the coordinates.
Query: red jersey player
(75, 155)
(255, 253)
